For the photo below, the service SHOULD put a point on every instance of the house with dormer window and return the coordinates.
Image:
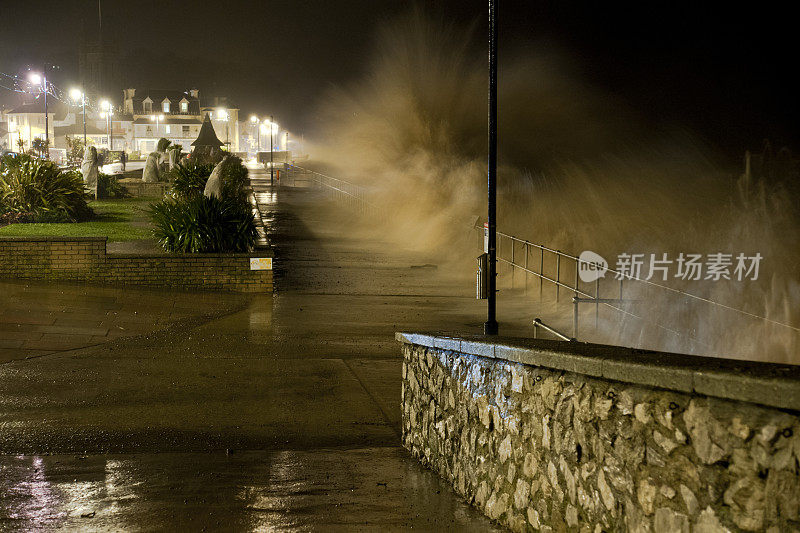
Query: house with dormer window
(174, 115)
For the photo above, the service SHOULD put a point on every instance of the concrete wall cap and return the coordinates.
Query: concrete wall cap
(54, 239)
(768, 384)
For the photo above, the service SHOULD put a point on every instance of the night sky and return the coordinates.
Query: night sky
(723, 72)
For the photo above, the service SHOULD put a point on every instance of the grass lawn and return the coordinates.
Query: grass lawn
(119, 220)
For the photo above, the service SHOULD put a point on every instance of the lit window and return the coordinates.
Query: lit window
(168, 130)
(184, 107)
(165, 107)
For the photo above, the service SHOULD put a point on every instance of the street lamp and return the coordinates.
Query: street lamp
(75, 94)
(262, 130)
(222, 114)
(36, 79)
(490, 327)
(107, 113)
(254, 122)
(156, 118)
(272, 127)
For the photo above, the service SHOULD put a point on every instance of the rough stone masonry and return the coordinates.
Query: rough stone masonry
(538, 448)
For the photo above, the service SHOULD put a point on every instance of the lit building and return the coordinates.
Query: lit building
(153, 114)
(225, 120)
(27, 122)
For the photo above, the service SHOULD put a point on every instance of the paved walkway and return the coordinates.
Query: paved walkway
(174, 411)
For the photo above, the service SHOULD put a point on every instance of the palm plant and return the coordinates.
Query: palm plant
(198, 224)
(189, 179)
(39, 189)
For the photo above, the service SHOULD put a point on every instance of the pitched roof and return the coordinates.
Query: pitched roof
(77, 129)
(207, 135)
(157, 97)
(54, 107)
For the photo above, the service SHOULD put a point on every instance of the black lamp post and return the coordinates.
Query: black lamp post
(271, 142)
(490, 327)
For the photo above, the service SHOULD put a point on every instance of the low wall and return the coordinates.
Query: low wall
(84, 259)
(548, 435)
(137, 188)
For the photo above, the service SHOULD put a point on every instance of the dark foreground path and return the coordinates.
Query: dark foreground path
(164, 411)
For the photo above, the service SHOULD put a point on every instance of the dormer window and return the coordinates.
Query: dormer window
(165, 106)
(147, 105)
(184, 107)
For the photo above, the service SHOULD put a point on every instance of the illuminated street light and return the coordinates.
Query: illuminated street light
(107, 114)
(271, 143)
(76, 94)
(157, 118)
(262, 130)
(41, 81)
(254, 122)
(222, 114)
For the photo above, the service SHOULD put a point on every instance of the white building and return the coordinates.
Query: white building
(149, 115)
(27, 122)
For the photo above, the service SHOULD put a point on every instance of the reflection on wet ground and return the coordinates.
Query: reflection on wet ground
(226, 412)
(323, 489)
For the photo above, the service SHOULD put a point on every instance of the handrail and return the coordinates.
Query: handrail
(537, 323)
(627, 277)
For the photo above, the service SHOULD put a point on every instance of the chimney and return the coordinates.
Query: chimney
(194, 93)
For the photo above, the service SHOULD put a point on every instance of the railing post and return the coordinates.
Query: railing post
(513, 264)
(541, 273)
(558, 274)
(577, 266)
(527, 252)
(596, 302)
(574, 317)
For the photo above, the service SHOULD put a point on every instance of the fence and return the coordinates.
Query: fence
(353, 196)
(561, 271)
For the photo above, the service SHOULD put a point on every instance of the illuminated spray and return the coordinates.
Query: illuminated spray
(579, 171)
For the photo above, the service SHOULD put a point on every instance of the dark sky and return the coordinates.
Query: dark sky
(722, 71)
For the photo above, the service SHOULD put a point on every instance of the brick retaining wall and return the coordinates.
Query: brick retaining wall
(84, 259)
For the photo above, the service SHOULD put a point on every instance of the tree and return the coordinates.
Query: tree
(75, 150)
(40, 146)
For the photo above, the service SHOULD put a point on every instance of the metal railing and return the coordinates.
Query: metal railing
(354, 196)
(564, 275)
(538, 324)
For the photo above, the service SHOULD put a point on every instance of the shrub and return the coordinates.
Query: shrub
(41, 191)
(189, 178)
(234, 179)
(109, 187)
(200, 224)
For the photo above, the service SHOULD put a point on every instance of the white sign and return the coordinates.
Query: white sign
(592, 266)
(260, 263)
(486, 237)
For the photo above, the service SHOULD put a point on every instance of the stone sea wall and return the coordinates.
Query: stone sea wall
(554, 449)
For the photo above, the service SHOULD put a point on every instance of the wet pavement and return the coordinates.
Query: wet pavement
(155, 410)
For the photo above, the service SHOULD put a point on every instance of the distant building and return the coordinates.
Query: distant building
(27, 122)
(153, 114)
(225, 119)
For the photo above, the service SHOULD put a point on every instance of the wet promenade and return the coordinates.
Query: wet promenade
(152, 410)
